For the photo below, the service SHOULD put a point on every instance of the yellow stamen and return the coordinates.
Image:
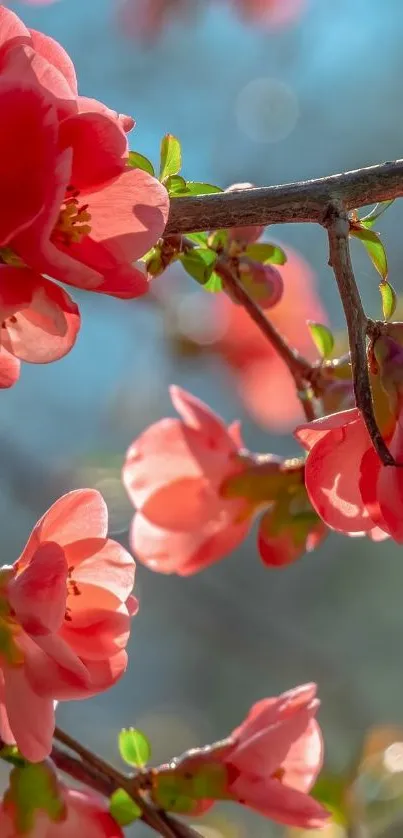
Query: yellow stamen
(73, 222)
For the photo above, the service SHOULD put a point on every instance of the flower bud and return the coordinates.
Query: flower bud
(263, 283)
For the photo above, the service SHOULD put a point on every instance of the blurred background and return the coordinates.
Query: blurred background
(318, 96)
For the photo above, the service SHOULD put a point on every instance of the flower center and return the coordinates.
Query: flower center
(73, 222)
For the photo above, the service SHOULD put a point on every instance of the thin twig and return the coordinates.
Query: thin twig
(303, 201)
(299, 367)
(103, 777)
(357, 324)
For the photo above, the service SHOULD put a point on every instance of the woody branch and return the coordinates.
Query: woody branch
(325, 201)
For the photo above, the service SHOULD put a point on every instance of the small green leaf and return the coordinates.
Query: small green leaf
(266, 253)
(195, 188)
(138, 161)
(374, 248)
(171, 157)
(389, 299)
(176, 185)
(123, 809)
(33, 788)
(322, 338)
(331, 790)
(199, 263)
(378, 210)
(134, 747)
(198, 238)
(214, 284)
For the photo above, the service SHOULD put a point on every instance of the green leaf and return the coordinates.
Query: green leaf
(214, 284)
(138, 161)
(198, 238)
(33, 788)
(266, 253)
(330, 790)
(195, 188)
(374, 248)
(123, 809)
(199, 263)
(322, 338)
(176, 185)
(171, 157)
(389, 299)
(134, 747)
(378, 210)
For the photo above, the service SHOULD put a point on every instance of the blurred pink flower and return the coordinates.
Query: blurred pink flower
(83, 812)
(197, 490)
(173, 473)
(269, 763)
(65, 609)
(264, 383)
(271, 13)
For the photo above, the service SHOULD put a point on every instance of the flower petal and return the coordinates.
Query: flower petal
(38, 594)
(24, 176)
(280, 803)
(86, 105)
(332, 477)
(129, 215)
(197, 415)
(54, 53)
(310, 433)
(9, 369)
(99, 149)
(78, 515)
(31, 717)
(40, 321)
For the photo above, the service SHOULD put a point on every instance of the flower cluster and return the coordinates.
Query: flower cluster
(65, 611)
(73, 209)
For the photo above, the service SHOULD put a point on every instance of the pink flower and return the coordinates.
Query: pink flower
(269, 763)
(273, 13)
(72, 208)
(346, 482)
(197, 490)
(65, 609)
(75, 812)
(146, 19)
(173, 473)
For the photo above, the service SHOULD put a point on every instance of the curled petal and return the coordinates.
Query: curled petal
(40, 321)
(86, 105)
(310, 433)
(100, 149)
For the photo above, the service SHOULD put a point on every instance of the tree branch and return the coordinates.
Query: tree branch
(92, 771)
(357, 324)
(103, 777)
(300, 369)
(303, 201)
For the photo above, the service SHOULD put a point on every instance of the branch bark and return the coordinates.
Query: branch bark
(300, 369)
(357, 324)
(303, 201)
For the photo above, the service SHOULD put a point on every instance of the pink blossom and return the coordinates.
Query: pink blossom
(65, 608)
(85, 813)
(196, 490)
(269, 763)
